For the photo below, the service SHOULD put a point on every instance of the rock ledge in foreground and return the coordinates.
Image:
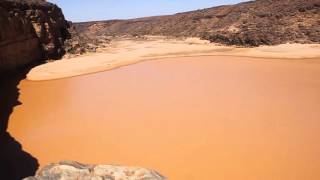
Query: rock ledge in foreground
(70, 170)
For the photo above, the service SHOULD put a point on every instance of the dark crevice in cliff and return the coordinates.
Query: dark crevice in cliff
(15, 163)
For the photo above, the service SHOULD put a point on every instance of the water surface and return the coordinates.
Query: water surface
(201, 118)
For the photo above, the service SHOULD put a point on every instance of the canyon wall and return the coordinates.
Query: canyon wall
(31, 31)
(253, 23)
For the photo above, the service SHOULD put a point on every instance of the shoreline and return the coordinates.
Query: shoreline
(164, 58)
(127, 52)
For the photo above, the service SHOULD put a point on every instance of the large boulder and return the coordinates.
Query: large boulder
(70, 170)
(31, 31)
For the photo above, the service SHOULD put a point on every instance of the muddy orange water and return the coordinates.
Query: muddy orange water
(201, 118)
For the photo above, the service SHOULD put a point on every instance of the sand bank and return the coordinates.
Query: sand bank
(125, 52)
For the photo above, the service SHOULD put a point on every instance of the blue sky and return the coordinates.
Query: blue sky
(89, 10)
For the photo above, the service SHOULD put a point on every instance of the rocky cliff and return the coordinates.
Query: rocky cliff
(31, 31)
(253, 23)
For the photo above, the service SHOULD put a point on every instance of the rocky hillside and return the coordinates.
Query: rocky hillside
(254, 23)
(31, 30)
(80, 43)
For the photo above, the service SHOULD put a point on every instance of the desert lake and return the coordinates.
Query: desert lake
(200, 118)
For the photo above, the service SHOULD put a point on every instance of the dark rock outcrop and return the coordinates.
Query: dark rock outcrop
(15, 162)
(73, 171)
(31, 31)
(254, 23)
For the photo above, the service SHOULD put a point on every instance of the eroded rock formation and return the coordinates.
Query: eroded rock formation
(31, 30)
(69, 170)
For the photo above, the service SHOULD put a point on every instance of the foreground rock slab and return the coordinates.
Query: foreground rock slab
(70, 170)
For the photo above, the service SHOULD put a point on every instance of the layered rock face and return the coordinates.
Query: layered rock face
(253, 23)
(69, 170)
(31, 30)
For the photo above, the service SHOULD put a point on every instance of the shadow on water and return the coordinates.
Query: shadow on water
(15, 164)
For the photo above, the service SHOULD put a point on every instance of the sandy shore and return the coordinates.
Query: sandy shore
(124, 52)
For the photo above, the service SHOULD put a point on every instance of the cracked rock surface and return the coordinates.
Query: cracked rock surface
(70, 170)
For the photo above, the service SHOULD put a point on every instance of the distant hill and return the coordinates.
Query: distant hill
(254, 23)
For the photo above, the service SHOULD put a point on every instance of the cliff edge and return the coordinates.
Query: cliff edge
(31, 31)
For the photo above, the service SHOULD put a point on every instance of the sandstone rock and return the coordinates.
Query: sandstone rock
(69, 170)
(31, 30)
